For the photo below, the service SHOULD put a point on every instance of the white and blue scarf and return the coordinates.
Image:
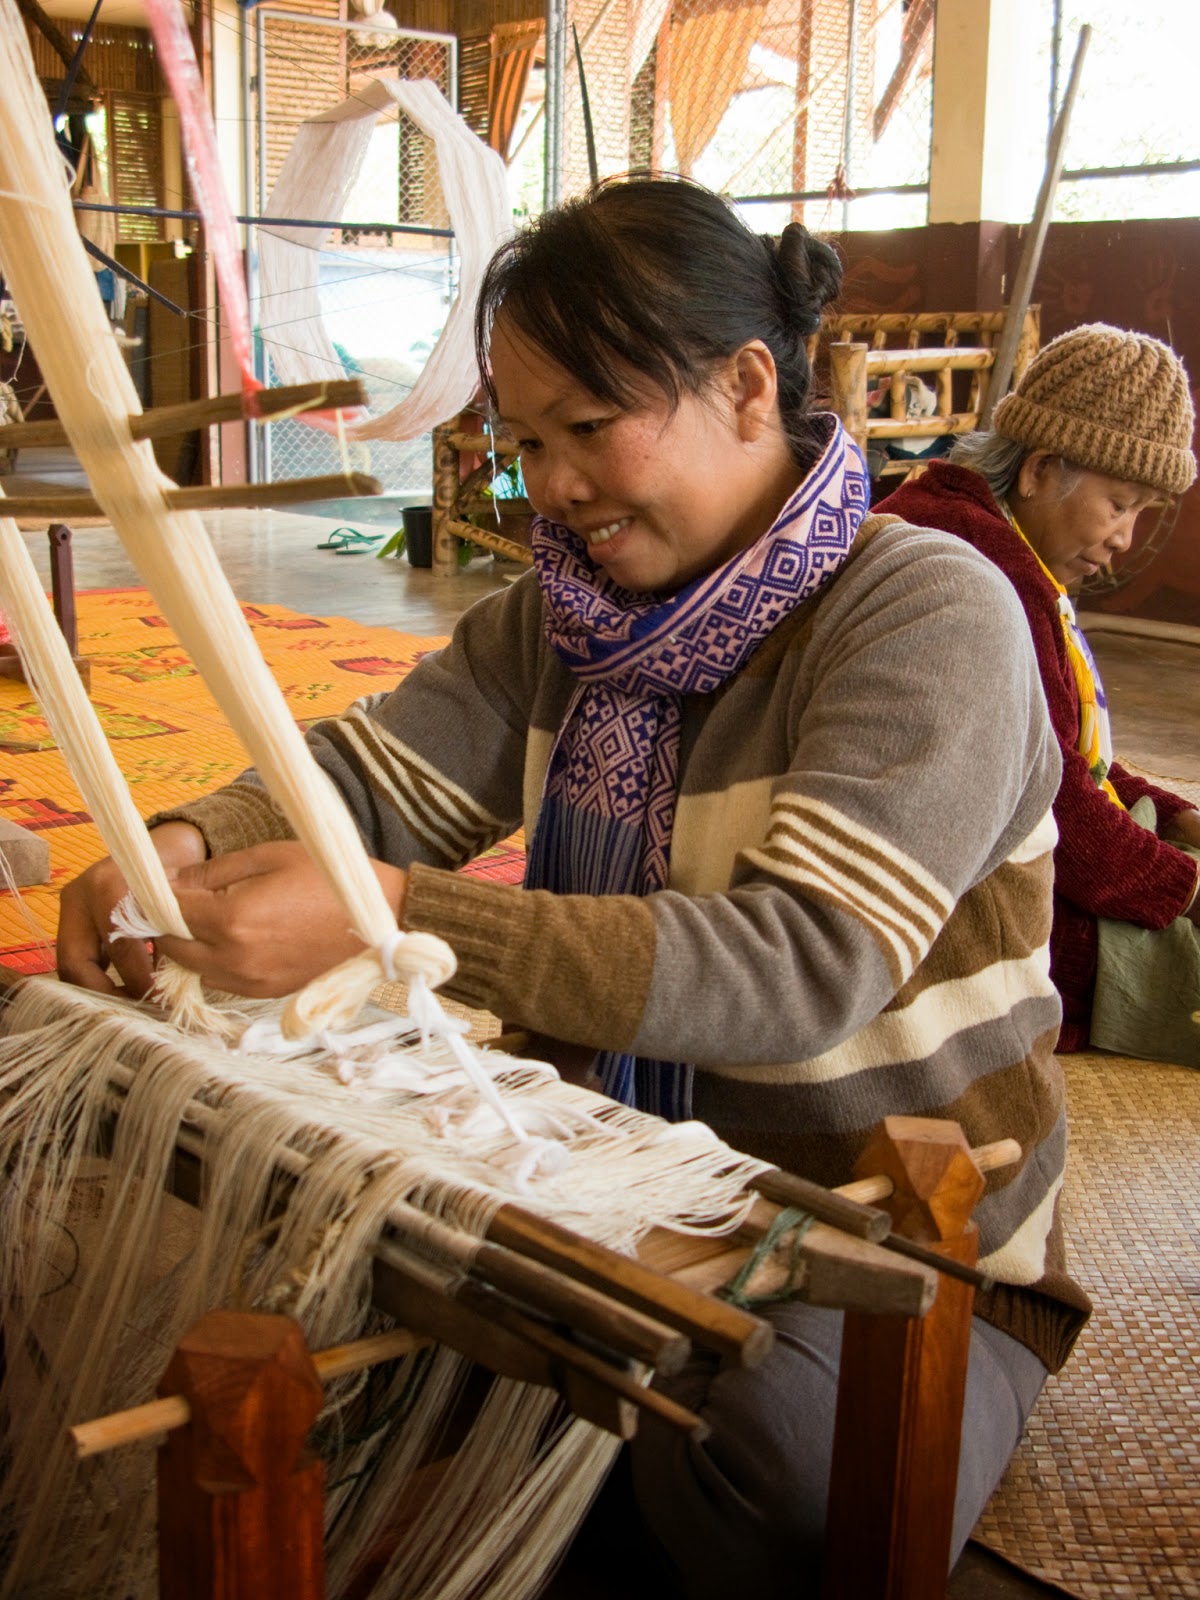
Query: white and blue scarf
(608, 805)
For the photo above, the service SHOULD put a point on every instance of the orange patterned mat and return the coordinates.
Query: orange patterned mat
(169, 737)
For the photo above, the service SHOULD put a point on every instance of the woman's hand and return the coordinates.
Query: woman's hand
(264, 921)
(1184, 828)
(86, 947)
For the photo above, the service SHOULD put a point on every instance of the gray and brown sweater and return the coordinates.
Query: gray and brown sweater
(859, 903)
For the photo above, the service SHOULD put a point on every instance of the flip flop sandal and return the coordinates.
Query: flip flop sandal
(349, 541)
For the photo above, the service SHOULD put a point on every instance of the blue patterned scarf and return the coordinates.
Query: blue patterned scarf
(608, 806)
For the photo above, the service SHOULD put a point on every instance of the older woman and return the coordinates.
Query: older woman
(1100, 425)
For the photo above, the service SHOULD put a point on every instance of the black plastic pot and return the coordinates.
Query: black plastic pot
(418, 535)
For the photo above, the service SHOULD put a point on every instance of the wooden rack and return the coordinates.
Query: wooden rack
(863, 349)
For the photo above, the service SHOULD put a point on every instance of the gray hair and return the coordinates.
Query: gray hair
(999, 461)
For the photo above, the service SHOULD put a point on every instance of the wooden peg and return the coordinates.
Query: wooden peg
(936, 1182)
(240, 1500)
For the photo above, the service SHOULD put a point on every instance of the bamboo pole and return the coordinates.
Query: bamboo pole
(484, 444)
(1031, 255)
(960, 358)
(495, 542)
(848, 383)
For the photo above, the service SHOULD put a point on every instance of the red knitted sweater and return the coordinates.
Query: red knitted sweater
(1105, 865)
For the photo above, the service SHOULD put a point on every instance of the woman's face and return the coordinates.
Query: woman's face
(660, 495)
(1079, 532)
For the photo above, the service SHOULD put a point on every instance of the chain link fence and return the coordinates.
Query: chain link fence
(387, 273)
(814, 110)
(817, 111)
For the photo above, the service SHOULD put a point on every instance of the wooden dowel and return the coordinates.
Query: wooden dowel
(589, 1311)
(927, 1257)
(592, 1367)
(160, 422)
(827, 1205)
(737, 1336)
(486, 1326)
(987, 1157)
(207, 497)
(173, 1411)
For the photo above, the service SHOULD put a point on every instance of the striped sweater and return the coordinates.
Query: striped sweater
(858, 910)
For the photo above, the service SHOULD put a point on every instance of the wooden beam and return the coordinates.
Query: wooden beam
(58, 42)
(69, 508)
(162, 421)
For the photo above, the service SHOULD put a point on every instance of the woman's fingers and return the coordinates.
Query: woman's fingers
(85, 945)
(263, 921)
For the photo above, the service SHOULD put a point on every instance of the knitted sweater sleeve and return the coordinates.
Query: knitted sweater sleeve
(1104, 862)
(898, 798)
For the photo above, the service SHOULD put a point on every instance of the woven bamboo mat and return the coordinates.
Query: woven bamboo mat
(1103, 1495)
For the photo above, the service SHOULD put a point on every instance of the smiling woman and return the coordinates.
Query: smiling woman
(783, 878)
(1100, 425)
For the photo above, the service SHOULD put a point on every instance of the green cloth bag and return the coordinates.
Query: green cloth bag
(1147, 999)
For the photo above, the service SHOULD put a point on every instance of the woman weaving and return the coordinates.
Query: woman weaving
(773, 841)
(1100, 425)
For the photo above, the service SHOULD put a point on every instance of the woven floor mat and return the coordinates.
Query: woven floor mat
(170, 739)
(1103, 1496)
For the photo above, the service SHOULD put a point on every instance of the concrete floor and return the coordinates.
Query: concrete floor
(1153, 688)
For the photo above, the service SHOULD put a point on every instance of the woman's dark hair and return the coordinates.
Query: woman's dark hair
(661, 277)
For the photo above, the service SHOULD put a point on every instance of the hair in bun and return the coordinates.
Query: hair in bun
(810, 275)
(660, 278)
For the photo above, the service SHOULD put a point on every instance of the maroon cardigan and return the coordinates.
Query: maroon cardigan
(1105, 865)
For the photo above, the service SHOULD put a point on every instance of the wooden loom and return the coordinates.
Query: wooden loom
(538, 1303)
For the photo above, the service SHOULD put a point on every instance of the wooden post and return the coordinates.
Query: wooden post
(240, 1501)
(62, 584)
(901, 1386)
(848, 386)
(445, 491)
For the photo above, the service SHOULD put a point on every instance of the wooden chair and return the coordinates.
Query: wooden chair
(865, 349)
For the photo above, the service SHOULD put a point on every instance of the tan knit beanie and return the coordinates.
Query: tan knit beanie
(1113, 401)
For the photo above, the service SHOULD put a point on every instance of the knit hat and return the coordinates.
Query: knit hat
(1113, 401)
